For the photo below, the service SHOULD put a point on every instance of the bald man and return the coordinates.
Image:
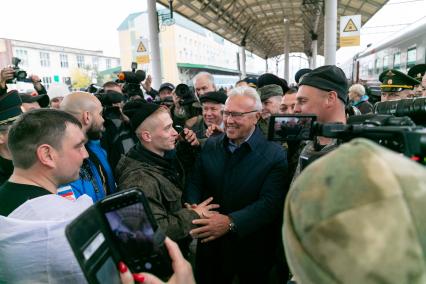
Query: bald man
(96, 176)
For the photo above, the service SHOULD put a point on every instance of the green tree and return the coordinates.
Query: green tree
(80, 79)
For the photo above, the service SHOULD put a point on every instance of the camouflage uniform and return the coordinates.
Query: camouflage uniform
(351, 220)
(161, 188)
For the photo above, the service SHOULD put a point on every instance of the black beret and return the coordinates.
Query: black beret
(10, 107)
(300, 73)
(112, 97)
(328, 78)
(269, 79)
(138, 111)
(217, 97)
(43, 100)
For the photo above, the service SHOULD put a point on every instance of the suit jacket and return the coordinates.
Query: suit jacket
(250, 185)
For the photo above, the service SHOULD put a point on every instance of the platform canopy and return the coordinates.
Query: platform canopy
(260, 23)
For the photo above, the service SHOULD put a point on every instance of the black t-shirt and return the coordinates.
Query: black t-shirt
(12, 195)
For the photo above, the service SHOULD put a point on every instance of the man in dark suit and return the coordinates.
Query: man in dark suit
(246, 175)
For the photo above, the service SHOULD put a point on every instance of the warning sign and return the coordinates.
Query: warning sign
(350, 27)
(141, 47)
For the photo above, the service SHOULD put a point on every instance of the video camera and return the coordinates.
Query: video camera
(399, 134)
(19, 74)
(132, 80)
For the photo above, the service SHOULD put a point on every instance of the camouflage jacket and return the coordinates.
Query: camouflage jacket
(162, 191)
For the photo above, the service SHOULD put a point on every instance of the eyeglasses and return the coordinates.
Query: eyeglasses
(236, 114)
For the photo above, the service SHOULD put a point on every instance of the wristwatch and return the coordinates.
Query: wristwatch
(232, 227)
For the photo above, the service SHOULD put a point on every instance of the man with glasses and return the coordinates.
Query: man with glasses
(396, 85)
(247, 176)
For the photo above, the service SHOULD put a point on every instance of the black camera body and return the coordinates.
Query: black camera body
(19, 74)
(132, 81)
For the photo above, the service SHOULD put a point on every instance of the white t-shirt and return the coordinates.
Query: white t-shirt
(33, 245)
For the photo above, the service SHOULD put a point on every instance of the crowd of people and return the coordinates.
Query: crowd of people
(215, 184)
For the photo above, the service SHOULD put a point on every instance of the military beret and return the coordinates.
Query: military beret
(270, 91)
(394, 81)
(217, 97)
(269, 79)
(138, 111)
(112, 97)
(417, 71)
(328, 78)
(301, 73)
(10, 107)
(351, 220)
(43, 100)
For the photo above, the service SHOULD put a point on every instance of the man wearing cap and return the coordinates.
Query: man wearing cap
(352, 220)
(203, 83)
(96, 177)
(270, 96)
(323, 92)
(33, 101)
(10, 110)
(246, 174)
(152, 166)
(269, 79)
(300, 74)
(396, 85)
(212, 104)
(417, 72)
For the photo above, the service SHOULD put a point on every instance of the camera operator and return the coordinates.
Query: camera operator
(183, 107)
(322, 92)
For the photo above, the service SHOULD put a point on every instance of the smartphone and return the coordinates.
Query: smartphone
(179, 129)
(135, 233)
(120, 227)
(291, 127)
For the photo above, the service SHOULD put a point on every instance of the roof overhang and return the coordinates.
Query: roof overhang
(260, 23)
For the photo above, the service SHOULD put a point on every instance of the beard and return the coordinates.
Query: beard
(94, 132)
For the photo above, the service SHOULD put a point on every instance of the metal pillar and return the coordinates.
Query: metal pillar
(287, 50)
(314, 54)
(266, 65)
(243, 61)
(330, 32)
(154, 44)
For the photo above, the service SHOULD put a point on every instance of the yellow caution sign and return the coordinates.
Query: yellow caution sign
(350, 27)
(141, 47)
(142, 59)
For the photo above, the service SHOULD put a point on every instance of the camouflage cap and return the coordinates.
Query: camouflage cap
(357, 220)
(268, 91)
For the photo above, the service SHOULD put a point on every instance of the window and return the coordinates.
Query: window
(377, 66)
(44, 59)
(411, 57)
(95, 62)
(370, 68)
(64, 60)
(397, 60)
(108, 63)
(80, 61)
(47, 81)
(386, 62)
(23, 55)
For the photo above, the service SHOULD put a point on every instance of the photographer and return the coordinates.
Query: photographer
(183, 107)
(322, 92)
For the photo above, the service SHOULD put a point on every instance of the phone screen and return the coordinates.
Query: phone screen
(291, 128)
(134, 234)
